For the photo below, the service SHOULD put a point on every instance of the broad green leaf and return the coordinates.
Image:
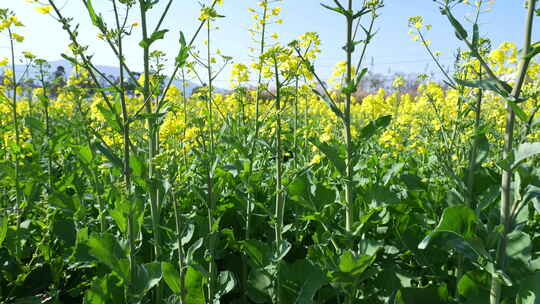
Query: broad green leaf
(461, 33)
(105, 290)
(413, 182)
(495, 85)
(354, 264)
(109, 154)
(226, 283)
(155, 36)
(339, 10)
(3, 229)
(64, 229)
(330, 103)
(483, 148)
(85, 154)
(534, 50)
(260, 286)
(476, 36)
(106, 249)
(183, 54)
(281, 251)
(474, 286)
(525, 151)
(332, 154)
(472, 249)
(146, 277)
(194, 287)
(519, 111)
(34, 124)
(458, 219)
(456, 231)
(93, 16)
(392, 172)
(171, 276)
(529, 290)
(300, 281)
(258, 252)
(428, 295)
(375, 126)
(299, 188)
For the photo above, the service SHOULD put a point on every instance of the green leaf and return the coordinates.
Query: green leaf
(34, 124)
(226, 283)
(3, 229)
(525, 151)
(105, 290)
(282, 250)
(258, 252)
(300, 281)
(392, 172)
(456, 231)
(109, 154)
(145, 43)
(194, 286)
(413, 182)
(461, 33)
(458, 219)
(338, 10)
(93, 16)
(146, 277)
(519, 111)
(428, 295)
(314, 280)
(476, 36)
(183, 54)
(64, 229)
(171, 276)
(85, 154)
(375, 126)
(529, 290)
(330, 103)
(483, 148)
(106, 249)
(72, 60)
(534, 50)
(332, 154)
(474, 286)
(492, 84)
(354, 264)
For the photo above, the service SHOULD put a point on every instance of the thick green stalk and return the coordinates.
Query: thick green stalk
(349, 208)
(181, 266)
(474, 149)
(506, 181)
(47, 129)
(210, 179)
(280, 203)
(257, 116)
(296, 114)
(152, 142)
(126, 149)
(249, 203)
(17, 141)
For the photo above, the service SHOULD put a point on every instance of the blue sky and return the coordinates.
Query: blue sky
(391, 51)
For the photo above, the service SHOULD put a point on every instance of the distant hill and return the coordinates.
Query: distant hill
(106, 70)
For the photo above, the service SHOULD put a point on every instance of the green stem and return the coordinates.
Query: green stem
(152, 144)
(181, 266)
(17, 142)
(126, 149)
(210, 179)
(506, 181)
(349, 208)
(280, 203)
